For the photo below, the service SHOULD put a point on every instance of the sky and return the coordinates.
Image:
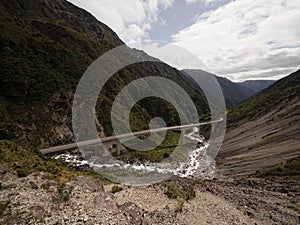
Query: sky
(237, 39)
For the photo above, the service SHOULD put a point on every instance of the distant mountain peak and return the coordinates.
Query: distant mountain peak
(257, 85)
(234, 93)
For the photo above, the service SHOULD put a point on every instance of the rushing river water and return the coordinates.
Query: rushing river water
(199, 164)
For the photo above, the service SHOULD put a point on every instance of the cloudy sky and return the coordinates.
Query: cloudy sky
(238, 39)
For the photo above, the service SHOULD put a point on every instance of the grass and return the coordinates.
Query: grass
(261, 103)
(116, 189)
(34, 161)
(43, 63)
(162, 152)
(289, 169)
(173, 191)
(294, 208)
(63, 193)
(3, 207)
(156, 155)
(179, 205)
(180, 191)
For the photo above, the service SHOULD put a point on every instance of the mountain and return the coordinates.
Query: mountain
(264, 130)
(257, 85)
(46, 46)
(234, 93)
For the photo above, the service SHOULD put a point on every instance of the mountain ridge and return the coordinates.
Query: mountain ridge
(266, 125)
(47, 46)
(234, 93)
(257, 85)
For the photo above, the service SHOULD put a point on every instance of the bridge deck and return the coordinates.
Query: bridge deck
(62, 148)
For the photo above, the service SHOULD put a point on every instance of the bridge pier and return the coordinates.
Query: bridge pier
(182, 137)
(115, 147)
(119, 147)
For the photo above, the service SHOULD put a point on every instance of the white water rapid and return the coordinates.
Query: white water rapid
(199, 164)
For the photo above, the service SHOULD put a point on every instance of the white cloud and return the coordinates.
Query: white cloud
(243, 39)
(203, 1)
(171, 54)
(130, 19)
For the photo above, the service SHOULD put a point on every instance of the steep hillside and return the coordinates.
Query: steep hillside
(234, 93)
(257, 85)
(45, 48)
(264, 130)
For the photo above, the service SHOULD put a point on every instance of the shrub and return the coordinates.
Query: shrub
(293, 208)
(179, 205)
(3, 207)
(22, 172)
(116, 189)
(189, 193)
(63, 193)
(173, 191)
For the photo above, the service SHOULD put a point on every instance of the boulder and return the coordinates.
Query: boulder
(89, 183)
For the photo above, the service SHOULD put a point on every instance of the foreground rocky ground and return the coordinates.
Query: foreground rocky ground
(36, 200)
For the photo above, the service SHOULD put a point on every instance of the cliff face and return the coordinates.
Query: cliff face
(45, 47)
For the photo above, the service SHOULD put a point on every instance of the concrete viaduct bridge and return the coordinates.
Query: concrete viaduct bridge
(113, 141)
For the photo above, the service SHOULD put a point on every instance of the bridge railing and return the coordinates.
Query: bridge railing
(62, 148)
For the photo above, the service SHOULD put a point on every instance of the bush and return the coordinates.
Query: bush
(189, 193)
(173, 191)
(3, 207)
(63, 193)
(116, 189)
(22, 172)
(179, 205)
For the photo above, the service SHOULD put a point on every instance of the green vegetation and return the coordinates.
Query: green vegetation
(293, 208)
(163, 151)
(173, 191)
(45, 53)
(3, 207)
(33, 161)
(289, 169)
(116, 189)
(283, 90)
(180, 191)
(63, 193)
(179, 205)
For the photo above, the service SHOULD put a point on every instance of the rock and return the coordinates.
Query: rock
(10, 186)
(284, 191)
(248, 213)
(38, 211)
(9, 176)
(33, 185)
(89, 183)
(84, 167)
(104, 203)
(7, 49)
(3, 169)
(18, 165)
(133, 213)
(210, 190)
